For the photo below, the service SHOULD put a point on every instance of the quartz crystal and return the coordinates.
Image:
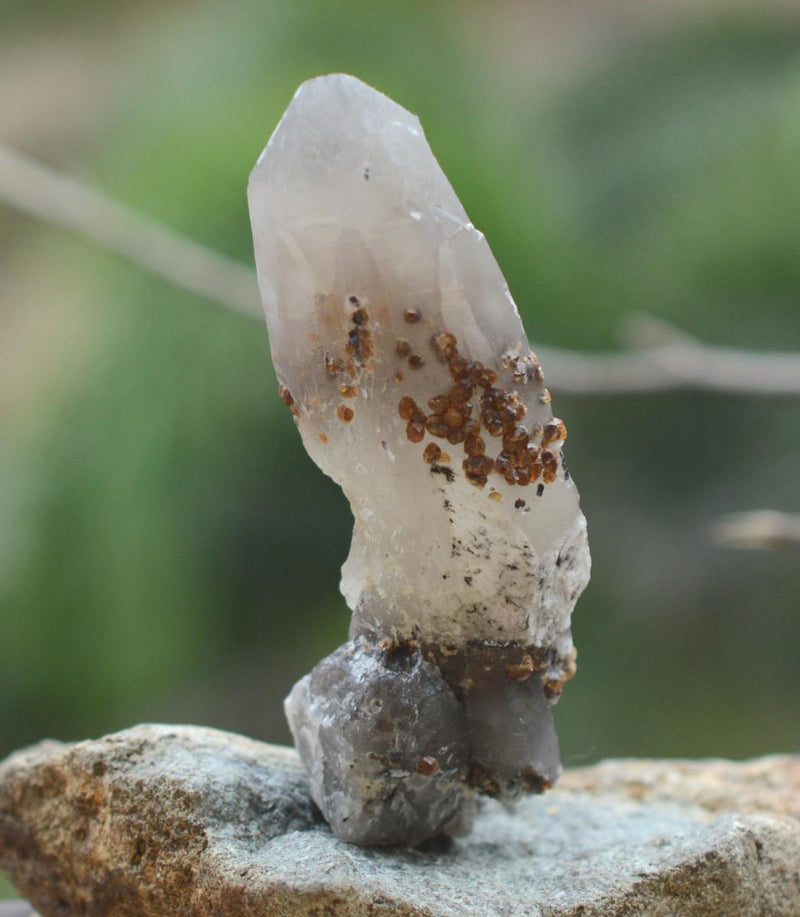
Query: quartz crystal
(402, 357)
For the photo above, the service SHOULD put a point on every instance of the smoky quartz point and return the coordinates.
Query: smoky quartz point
(402, 357)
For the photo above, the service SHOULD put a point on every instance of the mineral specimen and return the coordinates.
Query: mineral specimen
(402, 357)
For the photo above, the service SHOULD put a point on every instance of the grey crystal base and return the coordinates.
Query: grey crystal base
(397, 739)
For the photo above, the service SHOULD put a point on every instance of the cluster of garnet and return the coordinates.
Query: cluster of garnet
(473, 403)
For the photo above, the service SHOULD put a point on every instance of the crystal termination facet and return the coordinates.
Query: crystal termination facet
(402, 357)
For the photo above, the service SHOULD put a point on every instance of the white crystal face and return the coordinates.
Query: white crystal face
(402, 355)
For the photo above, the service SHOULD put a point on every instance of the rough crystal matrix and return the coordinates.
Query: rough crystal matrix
(402, 357)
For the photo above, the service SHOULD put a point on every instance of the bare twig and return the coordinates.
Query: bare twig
(661, 359)
(664, 358)
(40, 192)
(758, 529)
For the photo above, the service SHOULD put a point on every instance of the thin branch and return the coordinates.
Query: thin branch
(37, 191)
(758, 529)
(661, 359)
(664, 358)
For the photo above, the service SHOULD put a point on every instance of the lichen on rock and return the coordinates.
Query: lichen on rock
(402, 357)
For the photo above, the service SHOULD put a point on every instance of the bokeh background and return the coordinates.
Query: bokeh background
(167, 550)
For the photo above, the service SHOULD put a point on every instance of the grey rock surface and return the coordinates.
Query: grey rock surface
(161, 820)
(15, 909)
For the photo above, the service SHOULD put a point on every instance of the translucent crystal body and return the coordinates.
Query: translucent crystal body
(403, 359)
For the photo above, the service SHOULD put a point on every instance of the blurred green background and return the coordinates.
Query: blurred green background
(620, 157)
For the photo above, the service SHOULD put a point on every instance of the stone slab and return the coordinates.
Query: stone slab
(179, 820)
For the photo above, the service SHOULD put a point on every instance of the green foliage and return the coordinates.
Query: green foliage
(168, 551)
(7, 890)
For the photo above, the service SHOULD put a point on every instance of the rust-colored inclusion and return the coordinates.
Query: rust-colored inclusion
(359, 348)
(286, 398)
(474, 404)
